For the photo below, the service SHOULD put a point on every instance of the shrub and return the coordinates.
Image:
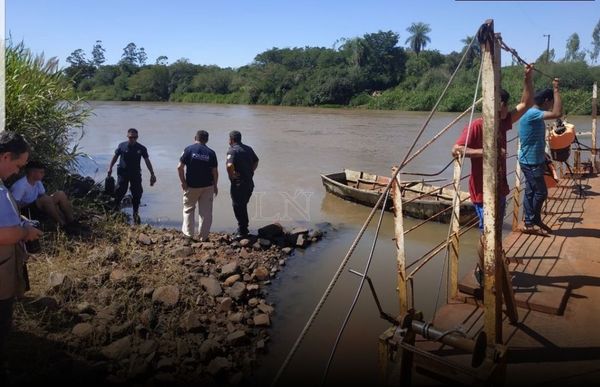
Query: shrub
(39, 106)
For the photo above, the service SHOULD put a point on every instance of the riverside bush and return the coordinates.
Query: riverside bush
(39, 105)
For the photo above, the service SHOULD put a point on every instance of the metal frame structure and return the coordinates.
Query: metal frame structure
(488, 363)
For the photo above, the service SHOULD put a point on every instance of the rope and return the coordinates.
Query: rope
(361, 232)
(358, 290)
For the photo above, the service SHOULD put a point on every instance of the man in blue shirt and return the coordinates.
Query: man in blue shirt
(199, 185)
(129, 172)
(532, 155)
(14, 152)
(241, 164)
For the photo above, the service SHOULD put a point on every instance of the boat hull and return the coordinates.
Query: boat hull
(365, 189)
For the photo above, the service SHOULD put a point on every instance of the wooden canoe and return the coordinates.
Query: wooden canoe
(365, 188)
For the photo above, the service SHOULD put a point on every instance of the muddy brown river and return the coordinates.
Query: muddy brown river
(295, 146)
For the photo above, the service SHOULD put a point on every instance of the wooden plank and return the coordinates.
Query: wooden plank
(352, 175)
(454, 246)
(529, 295)
(491, 228)
(369, 177)
(508, 293)
(594, 117)
(545, 349)
(384, 354)
(517, 193)
(400, 252)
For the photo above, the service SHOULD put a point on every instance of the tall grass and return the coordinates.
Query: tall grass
(39, 105)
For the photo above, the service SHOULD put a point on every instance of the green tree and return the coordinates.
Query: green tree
(105, 75)
(474, 51)
(214, 80)
(77, 58)
(39, 106)
(162, 60)
(80, 68)
(572, 52)
(355, 49)
(418, 38)
(130, 54)
(546, 57)
(595, 43)
(98, 54)
(150, 84)
(142, 57)
(181, 73)
(377, 61)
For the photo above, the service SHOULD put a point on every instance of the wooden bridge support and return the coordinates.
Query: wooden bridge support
(594, 118)
(517, 193)
(399, 237)
(453, 246)
(492, 232)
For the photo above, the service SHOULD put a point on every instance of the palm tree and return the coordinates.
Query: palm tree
(473, 47)
(418, 38)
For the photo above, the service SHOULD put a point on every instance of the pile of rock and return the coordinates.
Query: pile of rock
(158, 307)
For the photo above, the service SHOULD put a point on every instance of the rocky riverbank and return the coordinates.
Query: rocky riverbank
(143, 306)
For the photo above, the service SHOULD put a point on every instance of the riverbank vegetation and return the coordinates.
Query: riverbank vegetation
(39, 105)
(371, 71)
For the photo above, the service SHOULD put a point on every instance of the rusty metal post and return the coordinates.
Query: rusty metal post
(492, 294)
(517, 193)
(453, 246)
(399, 237)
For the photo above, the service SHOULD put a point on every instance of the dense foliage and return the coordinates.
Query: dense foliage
(39, 106)
(371, 71)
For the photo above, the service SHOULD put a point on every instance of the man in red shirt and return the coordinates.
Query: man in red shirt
(470, 144)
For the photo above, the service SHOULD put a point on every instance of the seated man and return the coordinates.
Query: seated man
(31, 197)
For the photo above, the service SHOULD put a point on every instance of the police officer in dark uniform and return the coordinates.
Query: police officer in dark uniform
(129, 172)
(241, 164)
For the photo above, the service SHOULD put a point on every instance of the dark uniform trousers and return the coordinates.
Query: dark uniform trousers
(240, 196)
(132, 181)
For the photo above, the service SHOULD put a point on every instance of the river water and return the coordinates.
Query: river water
(295, 146)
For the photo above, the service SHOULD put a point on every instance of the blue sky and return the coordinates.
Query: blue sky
(229, 33)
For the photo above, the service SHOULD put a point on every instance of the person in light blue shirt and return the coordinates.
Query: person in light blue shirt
(532, 157)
